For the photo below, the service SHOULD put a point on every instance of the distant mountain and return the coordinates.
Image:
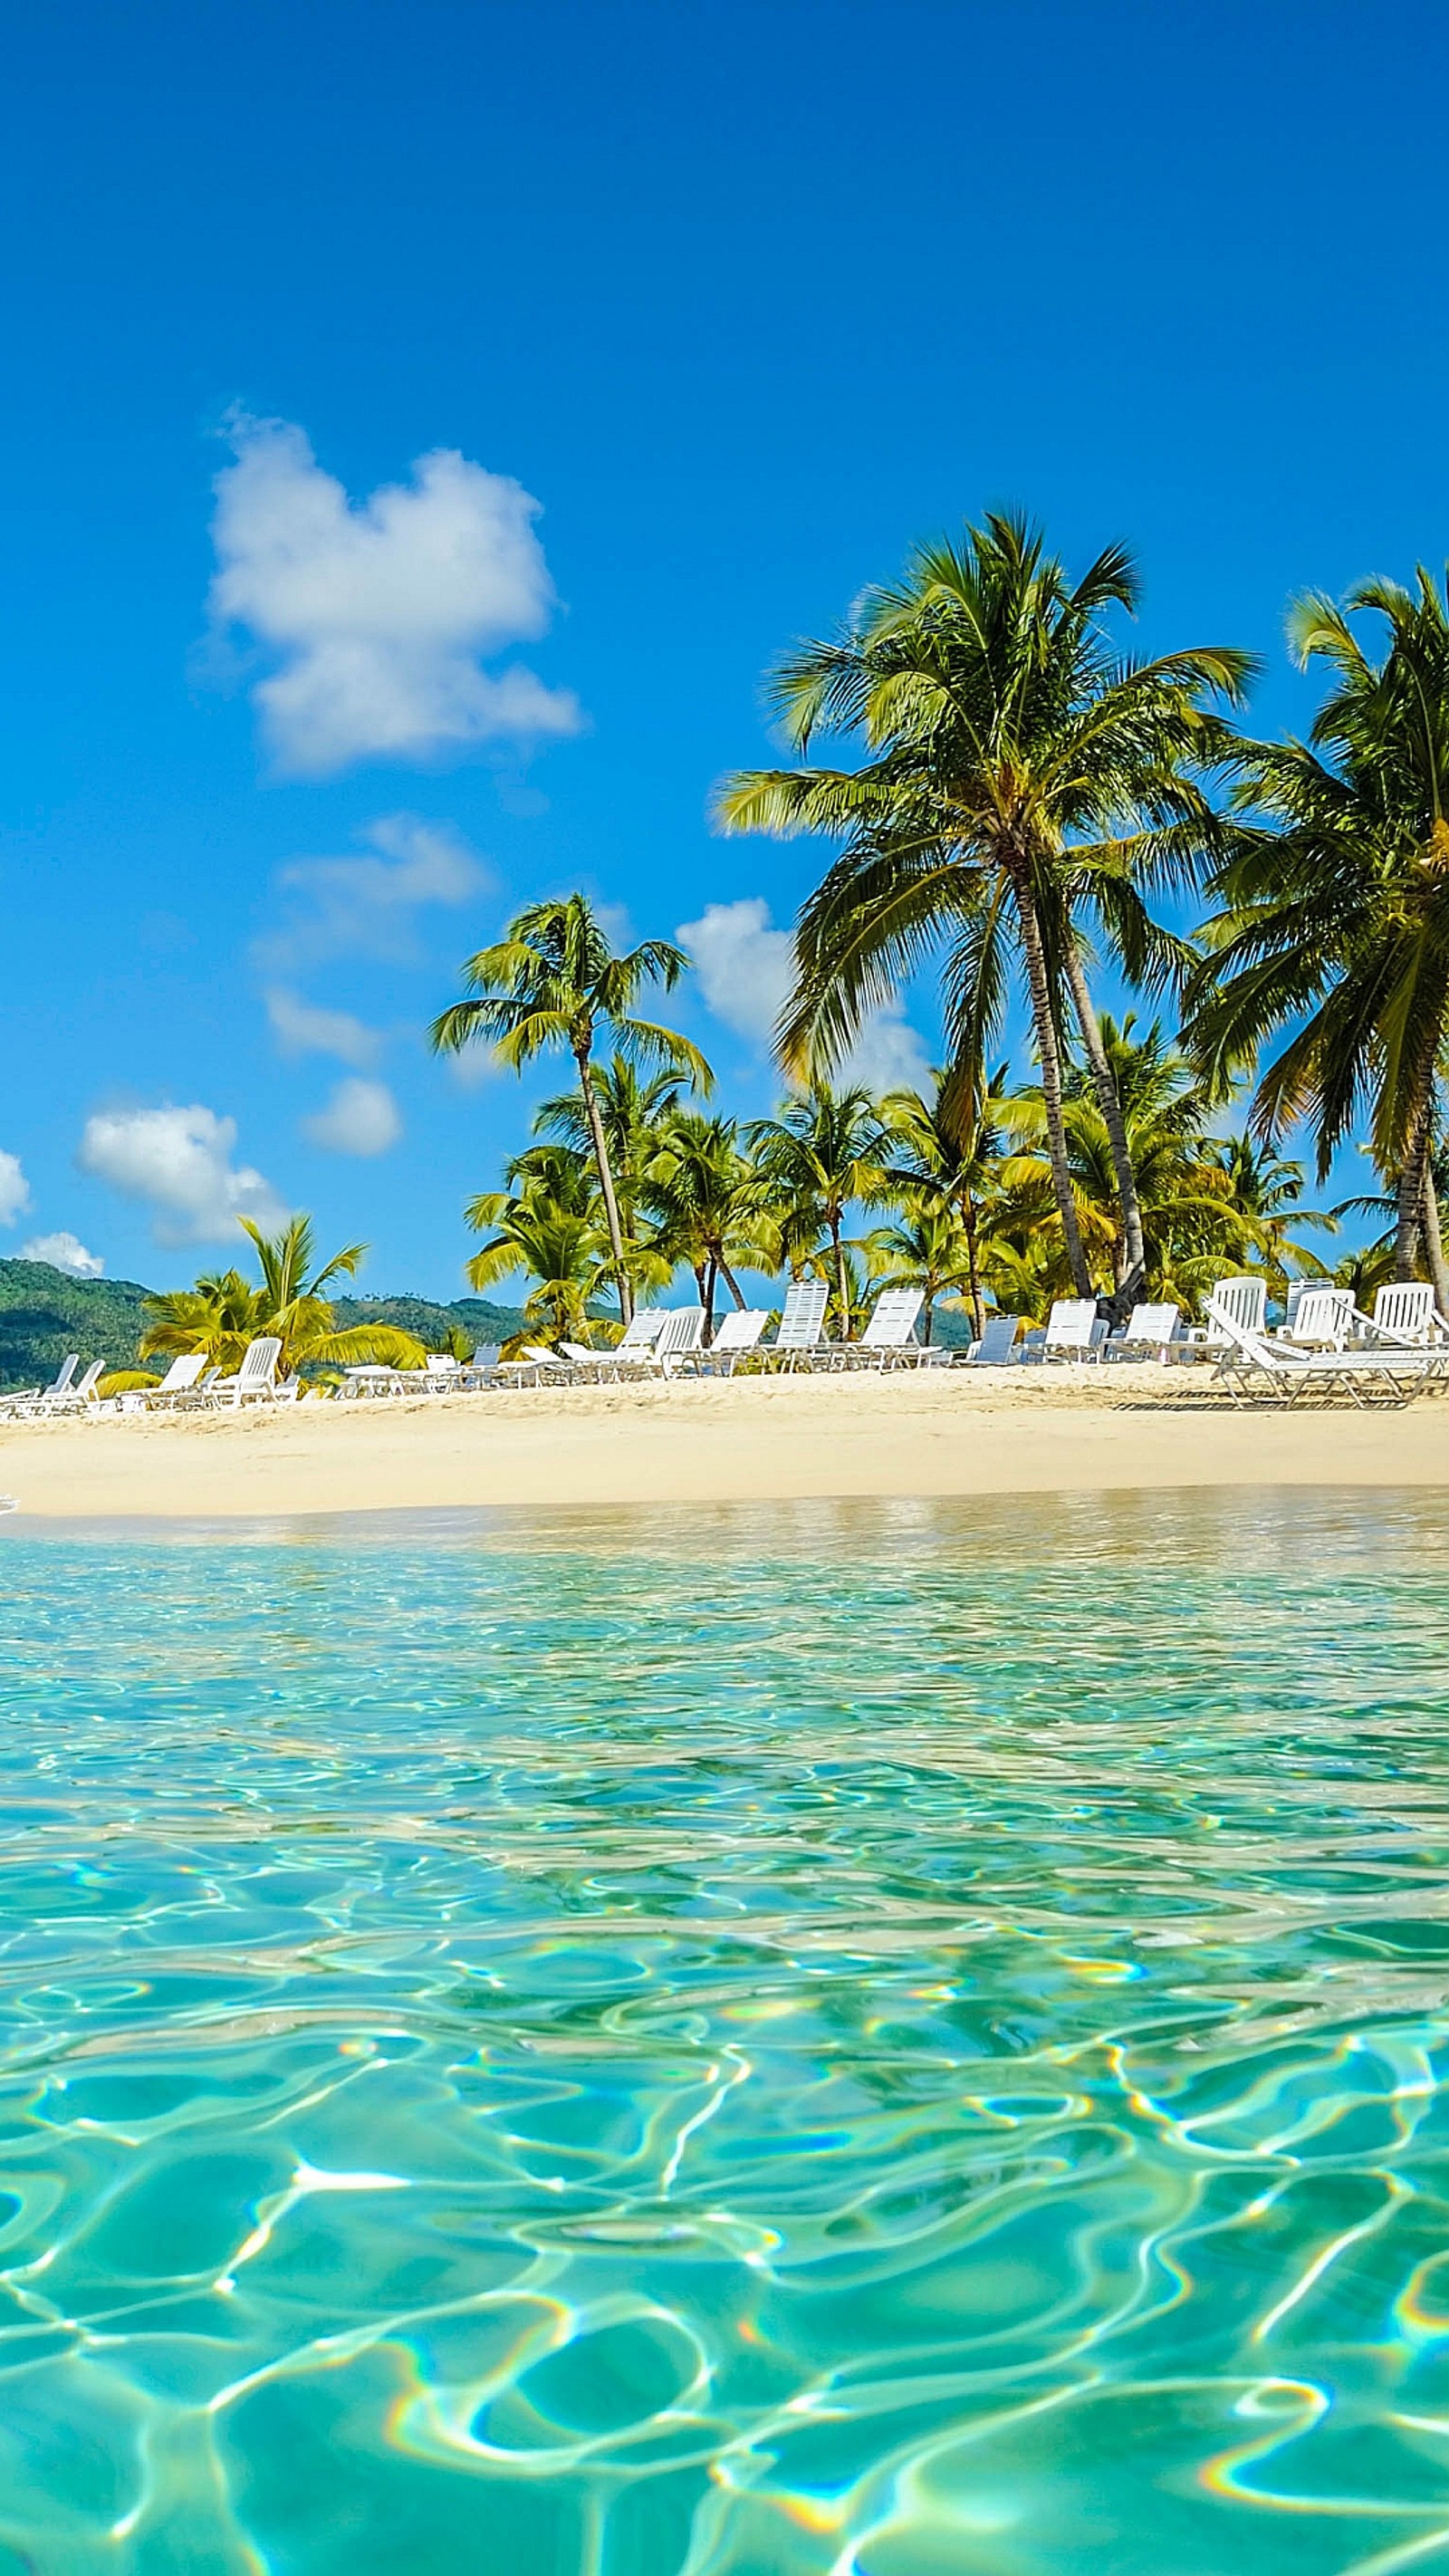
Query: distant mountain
(45, 1313)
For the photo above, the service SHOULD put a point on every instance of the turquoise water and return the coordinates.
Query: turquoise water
(835, 2042)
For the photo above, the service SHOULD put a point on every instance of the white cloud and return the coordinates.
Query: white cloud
(380, 613)
(360, 1118)
(365, 906)
(64, 1252)
(178, 1162)
(746, 968)
(300, 1028)
(14, 1189)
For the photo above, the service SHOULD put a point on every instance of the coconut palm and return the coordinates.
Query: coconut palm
(945, 1152)
(568, 1256)
(633, 1110)
(224, 1311)
(928, 1248)
(555, 981)
(704, 1196)
(821, 1155)
(1020, 776)
(1335, 905)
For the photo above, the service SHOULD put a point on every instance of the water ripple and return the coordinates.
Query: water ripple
(834, 2042)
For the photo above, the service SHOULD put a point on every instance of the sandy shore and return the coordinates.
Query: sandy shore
(749, 1439)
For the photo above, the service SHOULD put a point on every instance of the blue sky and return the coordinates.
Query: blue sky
(745, 299)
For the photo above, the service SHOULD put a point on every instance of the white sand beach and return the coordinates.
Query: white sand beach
(769, 1438)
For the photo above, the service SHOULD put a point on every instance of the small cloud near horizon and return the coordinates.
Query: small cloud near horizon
(379, 614)
(64, 1252)
(14, 1190)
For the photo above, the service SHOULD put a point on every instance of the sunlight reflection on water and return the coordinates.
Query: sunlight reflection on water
(832, 2041)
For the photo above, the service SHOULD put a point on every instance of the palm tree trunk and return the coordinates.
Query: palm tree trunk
(606, 1184)
(842, 1284)
(978, 1310)
(1109, 1101)
(930, 1318)
(1434, 1240)
(711, 1274)
(731, 1282)
(1049, 1055)
(1411, 1193)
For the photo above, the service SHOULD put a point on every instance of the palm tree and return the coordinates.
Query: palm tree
(554, 981)
(1266, 1189)
(927, 1248)
(223, 1312)
(822, 1154)
(946, 1153)
(633, 1110)
(1335, 911)
(568, 1256)
(1019, 772)
(703, 1193)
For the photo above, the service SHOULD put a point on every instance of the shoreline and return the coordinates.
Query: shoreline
(938, 1436)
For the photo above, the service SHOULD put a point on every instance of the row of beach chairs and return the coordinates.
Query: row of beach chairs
(1324, 1342)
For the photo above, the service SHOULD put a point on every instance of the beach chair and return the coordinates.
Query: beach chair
(679, 1337)
(1319, 1319)
(889, 1335)
(736, 1335)
(636, 1350)
(997, 1346)
(1405, 1311)
(24, 1399)
(73, 1396)
(1243, 1302)
(183, 1377)
(801, 1324)
(482, 1368)
(534, 1365)
(1071, 1330)
(1250, 1365)
(255, 1381)
(1147, 1334)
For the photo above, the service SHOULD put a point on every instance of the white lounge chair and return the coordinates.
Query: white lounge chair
(636, 1350)
(1071, 1331)
(24, 1399)
(1319, 1319)
(68, 1394)
(1406, 1311)
(534, 1364)
(997, 1346)
(256, 1380)
(679, 1337)
(1244, 1301)
(735, 1335)
(801, 1323)
(183, 1377)
(1249, 1364)
(889, 1333)
(1148, 1333)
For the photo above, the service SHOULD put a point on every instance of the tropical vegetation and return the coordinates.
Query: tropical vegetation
(1220, 953)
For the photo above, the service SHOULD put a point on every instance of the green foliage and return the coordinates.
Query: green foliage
(223, 1312)
(45, 1313)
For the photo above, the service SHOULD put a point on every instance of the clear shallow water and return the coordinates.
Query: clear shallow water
(815, 2043)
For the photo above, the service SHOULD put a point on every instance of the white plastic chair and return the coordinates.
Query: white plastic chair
(1250, 1364)
(801, 1323)
(889, 1333)
(735, 1335)
(1069, 1333)
(1406, 1312)
(1148, 1332)
(1319, 1319)
(256, 1380)
(997, 1346)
